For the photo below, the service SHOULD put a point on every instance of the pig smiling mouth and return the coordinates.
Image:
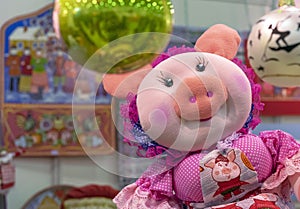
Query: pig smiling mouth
(191, 120)
(200, 120)
(205, 119)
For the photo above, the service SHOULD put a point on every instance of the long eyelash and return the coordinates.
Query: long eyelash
(162, 78)
(166, 81)
(201, 60)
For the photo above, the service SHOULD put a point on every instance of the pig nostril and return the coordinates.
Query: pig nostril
(209, 94)
(193, 99)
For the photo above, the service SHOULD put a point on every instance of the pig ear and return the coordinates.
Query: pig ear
(119, 85)
(231, 155)
(210, 164)
(219, 39)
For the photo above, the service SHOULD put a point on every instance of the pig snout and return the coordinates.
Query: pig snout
(199, 98)
(226, 170)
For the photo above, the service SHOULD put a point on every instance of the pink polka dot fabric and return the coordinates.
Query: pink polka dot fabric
(285, 156)
(258, 154)
(187, 185)
(157, 179)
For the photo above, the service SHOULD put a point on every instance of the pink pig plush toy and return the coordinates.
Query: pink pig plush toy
(193, 109)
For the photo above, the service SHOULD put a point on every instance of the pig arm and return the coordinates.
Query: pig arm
(285, 152)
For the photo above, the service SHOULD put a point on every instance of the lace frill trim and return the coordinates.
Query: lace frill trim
(291, 166)
(228, 141)
(132, 196)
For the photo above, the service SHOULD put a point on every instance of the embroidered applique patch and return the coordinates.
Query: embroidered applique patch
(226, 176)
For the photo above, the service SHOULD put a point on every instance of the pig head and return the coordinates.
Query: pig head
(190, 101)
(224, 168)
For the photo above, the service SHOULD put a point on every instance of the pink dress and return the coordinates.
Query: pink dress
(257, 167)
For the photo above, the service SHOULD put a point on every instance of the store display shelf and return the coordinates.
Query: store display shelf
(281, 107)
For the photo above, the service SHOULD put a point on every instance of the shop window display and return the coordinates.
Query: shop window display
(38, 88)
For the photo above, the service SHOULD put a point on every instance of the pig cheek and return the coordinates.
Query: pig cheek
(157, 116)
(154, 121)
(235, 171)
(241, 81)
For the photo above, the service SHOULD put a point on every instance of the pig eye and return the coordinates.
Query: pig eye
(167, 81)
(200, 67)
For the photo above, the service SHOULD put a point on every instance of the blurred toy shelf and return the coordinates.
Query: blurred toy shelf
(279, 107)
(280, 101)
